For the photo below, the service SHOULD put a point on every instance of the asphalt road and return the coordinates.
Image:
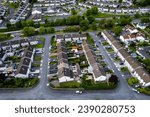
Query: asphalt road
(42, 92)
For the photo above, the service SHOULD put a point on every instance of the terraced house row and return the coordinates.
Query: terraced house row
(64, 72)
(23, 69)
(133, 65)
(95, 69)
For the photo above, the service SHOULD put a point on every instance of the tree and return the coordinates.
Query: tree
(46, 21)
(18, 24)
(23, 23)
(94, 10)
(50, 30)
(73, 11)
(88, 12)
(42, 30)
(84, 24)
(8, 25)
(137, 15)
(94, 27)
(73, 20)
(91, 19)
(29, 23)
(124, 20)
(109, 23)
(102, 23)
(147, 64)
(145, 20)
(117, 30)
(28, 31)
(120, 1)
(113, 79)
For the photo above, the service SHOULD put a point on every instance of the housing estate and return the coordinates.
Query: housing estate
(134, 66)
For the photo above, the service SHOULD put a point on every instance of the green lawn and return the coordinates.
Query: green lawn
(110, 50)
(71, 84)
(116, 59)
(55, 56)
(14, 59)
(124, 69)
(35, 65)
(106, 15)
(40, 45)
(37, 58)
(105, 43)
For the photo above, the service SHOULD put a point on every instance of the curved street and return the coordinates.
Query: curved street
(41, 91)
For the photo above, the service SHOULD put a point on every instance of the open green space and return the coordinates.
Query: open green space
(71, 84)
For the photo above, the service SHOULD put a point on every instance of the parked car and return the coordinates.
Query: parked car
(79, 92)
(135, 90)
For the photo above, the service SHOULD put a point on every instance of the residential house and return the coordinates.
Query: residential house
(75, 37)
(24, 42)
(134, 67)
(5, 45)
(24, 67)
(65, 74)
(68, 37)
(132, 37)
(15, 44)
(59, 38)
(83, 37)
(94, 68)
(130, 29)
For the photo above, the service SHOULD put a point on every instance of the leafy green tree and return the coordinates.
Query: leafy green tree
(18, 24)
(145, 20)
(29, 23)
(117, 30)
(23, 23)
(109, 23)
(8, 25)
(51, 30)
(73, 11)
(102, 23)
(91, 19)
(88, 12)
(147, 64)
(42, 30)
(124, 20)
(84, 24)
(94, 10)
(137, 15)
(120, 1)
(28, 31)
(113, 79)
(94, 26)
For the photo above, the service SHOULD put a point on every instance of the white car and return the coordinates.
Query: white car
(135, 90)
(79, 92)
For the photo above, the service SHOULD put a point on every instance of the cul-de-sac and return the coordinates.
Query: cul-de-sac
(75, 49)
